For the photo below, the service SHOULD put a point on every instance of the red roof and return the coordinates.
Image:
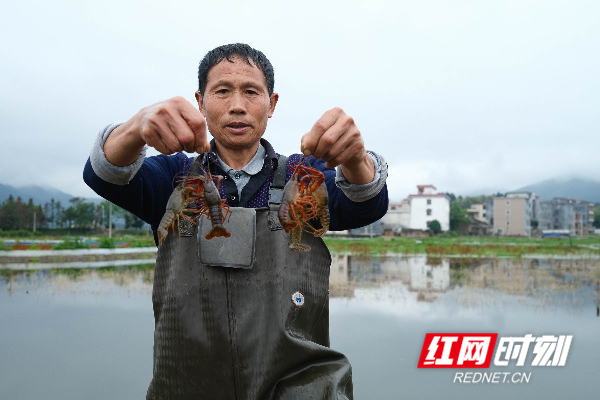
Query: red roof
(424, 186)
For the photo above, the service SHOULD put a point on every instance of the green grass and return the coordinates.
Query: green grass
(468, 245)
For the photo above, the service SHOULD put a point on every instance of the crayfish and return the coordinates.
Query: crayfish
(197, 195)
(304, 198)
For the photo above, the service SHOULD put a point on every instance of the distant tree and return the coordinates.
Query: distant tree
(117, 212)
(58, 214)
(48, 213)
(83, 212)
(468, 201)
(597, 217)
(132, 221)
(435, 226)
(16, 215)
(9, 219)
(68, 217)
(452, 196)
(534, 223)
(458, 216)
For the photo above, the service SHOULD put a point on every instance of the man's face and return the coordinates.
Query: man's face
(236, 104)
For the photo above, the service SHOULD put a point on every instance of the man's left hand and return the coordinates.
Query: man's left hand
(335, 139)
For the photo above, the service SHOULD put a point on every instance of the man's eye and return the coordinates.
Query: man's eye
(222, 91)
(251, 91)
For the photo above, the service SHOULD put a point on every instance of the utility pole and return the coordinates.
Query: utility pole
(102, 216)
(110, 220)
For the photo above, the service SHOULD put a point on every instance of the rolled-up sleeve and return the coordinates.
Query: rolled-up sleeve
(107, 171)
(361, 193)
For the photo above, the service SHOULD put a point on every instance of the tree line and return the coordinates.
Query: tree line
(79, 214)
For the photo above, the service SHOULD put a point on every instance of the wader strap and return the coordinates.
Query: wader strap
(276, 188)
(195, 168)
(276, 193)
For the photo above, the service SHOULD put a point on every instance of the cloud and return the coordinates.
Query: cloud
(463, 96)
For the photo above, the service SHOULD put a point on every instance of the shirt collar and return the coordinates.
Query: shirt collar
(253, 167)
(213, 158)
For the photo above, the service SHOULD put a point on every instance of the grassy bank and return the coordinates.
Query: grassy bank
(468, 245)
(70, 242)
(435, 246)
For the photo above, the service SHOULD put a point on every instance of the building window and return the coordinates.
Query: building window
(393, 207)
(508, 202)
(428, 201)
(507, 212)
(428, 212)
(507, 223)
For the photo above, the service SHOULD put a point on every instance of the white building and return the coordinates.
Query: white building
(427, 206)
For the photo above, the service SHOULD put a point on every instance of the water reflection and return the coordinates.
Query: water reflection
(79, 281)
(95, 325)
(467, 281)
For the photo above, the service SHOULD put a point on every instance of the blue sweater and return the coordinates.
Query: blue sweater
(147, 193)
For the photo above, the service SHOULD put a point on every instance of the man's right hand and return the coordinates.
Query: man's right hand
(169, 126)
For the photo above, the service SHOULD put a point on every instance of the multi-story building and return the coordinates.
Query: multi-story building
(565, 214)
(429, 205)
(478, 212)
(397, 216)
(545, 215)
(513, 214)
(489, 212)
(572, 215)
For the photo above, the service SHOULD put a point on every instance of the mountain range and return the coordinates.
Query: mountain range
(40, 195)
(575, 188)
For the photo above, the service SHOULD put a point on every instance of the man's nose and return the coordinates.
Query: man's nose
(237, 104)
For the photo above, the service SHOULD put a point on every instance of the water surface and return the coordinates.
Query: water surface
(88, 333)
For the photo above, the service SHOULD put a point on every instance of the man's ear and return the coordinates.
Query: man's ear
(273, 103)
(201, 103)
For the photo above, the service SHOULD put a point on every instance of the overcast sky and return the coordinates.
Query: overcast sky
(464, 95)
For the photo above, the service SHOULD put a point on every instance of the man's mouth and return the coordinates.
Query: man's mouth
(237, 127)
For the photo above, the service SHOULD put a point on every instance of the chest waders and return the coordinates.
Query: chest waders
(242, 331)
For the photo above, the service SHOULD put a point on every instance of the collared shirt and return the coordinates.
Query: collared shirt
(242, 176)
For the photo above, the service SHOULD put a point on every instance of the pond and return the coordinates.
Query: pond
(87, 333)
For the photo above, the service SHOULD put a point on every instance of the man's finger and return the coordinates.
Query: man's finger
(195, 120)
(350, 135)
(183, 133)
(335, 139)
(346, 154)
(168, 137)
(310, 140)
(153, 140)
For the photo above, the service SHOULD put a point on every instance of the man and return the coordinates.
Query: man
(242, 317)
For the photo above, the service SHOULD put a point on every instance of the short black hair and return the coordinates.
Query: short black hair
(241, 50)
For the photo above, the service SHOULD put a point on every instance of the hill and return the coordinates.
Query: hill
(576, 188)
(39, 194)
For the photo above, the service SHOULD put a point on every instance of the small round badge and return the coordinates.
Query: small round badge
(298, 299)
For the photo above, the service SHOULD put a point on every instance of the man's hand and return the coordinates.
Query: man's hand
(335, 139)
(169, 126)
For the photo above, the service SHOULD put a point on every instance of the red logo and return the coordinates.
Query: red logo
(457, 350)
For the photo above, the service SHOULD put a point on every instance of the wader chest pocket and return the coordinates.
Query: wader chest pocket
(236, 251)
